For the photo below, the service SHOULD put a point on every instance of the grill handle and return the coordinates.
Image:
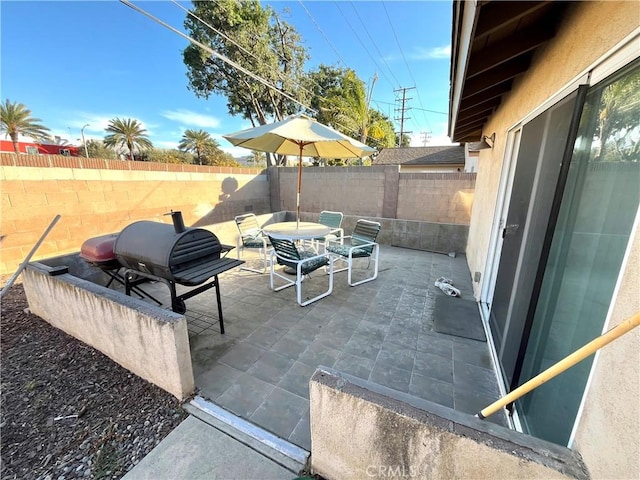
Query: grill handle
(178, 222)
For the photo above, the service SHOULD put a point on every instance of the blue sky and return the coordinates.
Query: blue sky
(75, 63)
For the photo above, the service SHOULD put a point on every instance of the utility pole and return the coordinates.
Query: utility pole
(426, 137)
(403, 109)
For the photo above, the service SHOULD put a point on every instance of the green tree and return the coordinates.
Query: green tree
(97, 149)
(618, 124)
(214, 155)
(406, 140)
(127, 132)
(167, 155)
(16, 119)
(343, 103)
(262, 43)
(257, 158)
(196, 141)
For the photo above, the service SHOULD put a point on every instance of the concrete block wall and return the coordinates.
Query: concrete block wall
(443, 197)
(95, 201)
(380, 191)
(361, 430)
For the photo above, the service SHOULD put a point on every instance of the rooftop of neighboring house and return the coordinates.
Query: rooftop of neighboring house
(441, 155)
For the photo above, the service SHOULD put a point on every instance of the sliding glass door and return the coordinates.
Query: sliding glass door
(587, 237)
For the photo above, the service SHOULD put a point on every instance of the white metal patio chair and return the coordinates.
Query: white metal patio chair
(251, 237)
(333, 220)
(304, 262)
(360, 244)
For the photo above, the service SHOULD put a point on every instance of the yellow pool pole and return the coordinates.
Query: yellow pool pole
(564, 364)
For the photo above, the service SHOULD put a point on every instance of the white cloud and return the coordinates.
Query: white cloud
(165, 144)
(421, 53)
(188, 117)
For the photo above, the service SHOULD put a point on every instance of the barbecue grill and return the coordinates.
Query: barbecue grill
(171, 254)
(98, 251)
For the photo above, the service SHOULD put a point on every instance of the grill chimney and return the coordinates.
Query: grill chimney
(178, 222)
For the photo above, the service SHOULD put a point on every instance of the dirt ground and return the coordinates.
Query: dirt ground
(67, 410)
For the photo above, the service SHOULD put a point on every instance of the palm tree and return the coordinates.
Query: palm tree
(197, 141)
(16, 119)
(127, 132)
(350, 111)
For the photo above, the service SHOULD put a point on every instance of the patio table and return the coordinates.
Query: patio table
(303, 230)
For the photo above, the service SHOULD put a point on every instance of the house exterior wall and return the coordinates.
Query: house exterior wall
(607, 427)
(581, 40)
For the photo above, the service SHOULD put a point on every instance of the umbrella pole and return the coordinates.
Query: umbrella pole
(299, 184)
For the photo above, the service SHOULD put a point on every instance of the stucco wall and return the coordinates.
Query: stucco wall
(589, 31)
(96, 201)
(151, 342)
(360, 430)
(608, 433)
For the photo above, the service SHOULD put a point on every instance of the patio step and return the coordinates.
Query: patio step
(290, 456)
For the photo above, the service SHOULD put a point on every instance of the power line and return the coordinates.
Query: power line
(374, 43)
(230, 62)
(405, 60)
(217, 55)
(415, 108)
(364, 46)
(322, 33)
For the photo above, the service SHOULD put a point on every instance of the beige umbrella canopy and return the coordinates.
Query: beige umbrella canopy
(303, 136)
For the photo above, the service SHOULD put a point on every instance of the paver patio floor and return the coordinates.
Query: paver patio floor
(381, 331)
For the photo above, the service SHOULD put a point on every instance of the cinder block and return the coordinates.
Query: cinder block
(12, 186)
(28, 199)
(62, 198)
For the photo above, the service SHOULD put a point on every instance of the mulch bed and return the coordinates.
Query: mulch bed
(68, 411)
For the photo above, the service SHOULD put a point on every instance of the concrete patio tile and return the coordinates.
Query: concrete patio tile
(380, 331)
(264, 337)
(245, 395)
(471, 402)
(391, 377)
(242, 356)
(271, 367)
(280, 412)
(397, 356)
(353, 365)
(317, 354)
(333, 339)
(301, 435)
(290, 346)
(306, 331)
(407, 322)
(375, 332)
(474, 355)
(473, 378)
(362, 345)
(296, 380)
(216, 380)
(282, 321)
(431, 389)
(435, 345)
(401, 336)
(434, 366)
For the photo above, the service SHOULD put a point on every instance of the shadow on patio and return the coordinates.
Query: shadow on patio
(381, 331)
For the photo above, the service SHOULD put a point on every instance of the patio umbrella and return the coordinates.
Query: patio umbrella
(303, 136)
